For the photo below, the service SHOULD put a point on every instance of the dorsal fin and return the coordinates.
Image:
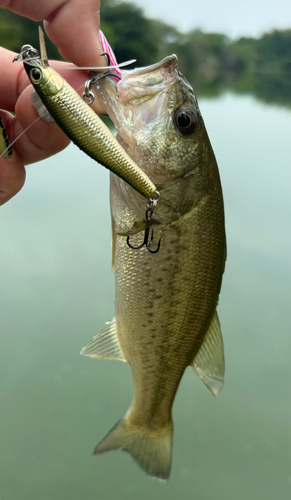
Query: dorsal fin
(105, 344)
(209, 361)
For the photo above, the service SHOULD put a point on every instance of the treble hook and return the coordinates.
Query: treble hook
(27, 52)
(88, 95)
(148, 239)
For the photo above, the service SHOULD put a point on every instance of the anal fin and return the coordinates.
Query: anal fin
(105, 344)
(209, 361)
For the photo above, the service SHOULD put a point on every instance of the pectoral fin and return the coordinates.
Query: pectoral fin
(105, 344)
(209, 361)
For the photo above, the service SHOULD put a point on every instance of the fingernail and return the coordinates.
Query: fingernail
(5, 148)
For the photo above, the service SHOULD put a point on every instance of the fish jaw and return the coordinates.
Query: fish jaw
(146, 82)
(137, 84)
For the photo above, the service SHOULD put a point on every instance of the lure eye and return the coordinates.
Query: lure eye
(36, 75)
(186, 121)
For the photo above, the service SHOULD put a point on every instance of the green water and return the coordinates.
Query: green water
(57, 292)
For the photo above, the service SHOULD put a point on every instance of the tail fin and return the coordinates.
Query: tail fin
(152, 450)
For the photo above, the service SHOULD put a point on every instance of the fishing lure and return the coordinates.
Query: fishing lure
(79, 122)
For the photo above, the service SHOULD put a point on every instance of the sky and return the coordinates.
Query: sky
(235, 18)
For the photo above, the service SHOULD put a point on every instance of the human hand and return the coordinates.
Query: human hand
(74, 27)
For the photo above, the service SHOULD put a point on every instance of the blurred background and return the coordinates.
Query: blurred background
(214, 60)
(57, 288)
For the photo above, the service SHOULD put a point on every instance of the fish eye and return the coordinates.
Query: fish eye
(36, 75)
(186, 121)
(183, 120)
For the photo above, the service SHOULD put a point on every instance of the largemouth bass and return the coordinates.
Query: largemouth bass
(166, 303)
(80, 123)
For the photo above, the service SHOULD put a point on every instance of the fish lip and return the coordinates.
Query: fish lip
(171, 60)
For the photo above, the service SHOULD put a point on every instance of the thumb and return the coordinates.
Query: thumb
(74, 28)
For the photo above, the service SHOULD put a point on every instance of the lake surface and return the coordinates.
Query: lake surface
(57, 291)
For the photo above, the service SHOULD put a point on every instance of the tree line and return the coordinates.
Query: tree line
(211, 61)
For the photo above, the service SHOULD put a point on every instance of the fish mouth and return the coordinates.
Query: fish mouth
(144, 83)
(140, 82)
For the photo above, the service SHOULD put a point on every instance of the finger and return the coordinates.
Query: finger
(12, 172)
(75, 31)
(71, 25)
(41, 140)
(16, 81)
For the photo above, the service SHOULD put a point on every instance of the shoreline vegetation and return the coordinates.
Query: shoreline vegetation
(212, 62)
